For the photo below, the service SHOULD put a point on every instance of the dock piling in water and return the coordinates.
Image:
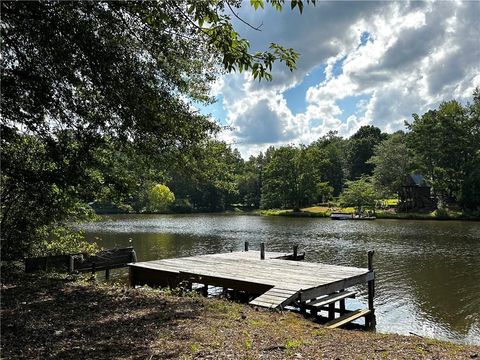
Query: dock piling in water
(246, 245)
(262, 251)
(371, 291)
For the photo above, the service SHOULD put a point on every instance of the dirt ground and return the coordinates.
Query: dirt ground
(53, 317)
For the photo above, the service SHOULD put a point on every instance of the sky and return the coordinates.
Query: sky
(361, 63)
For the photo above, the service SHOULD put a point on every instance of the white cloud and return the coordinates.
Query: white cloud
(420, 53)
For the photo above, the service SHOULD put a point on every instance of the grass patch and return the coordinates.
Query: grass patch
(312, 211)
(441, 214)
(292, 345)
(194, 348)
(325, 211)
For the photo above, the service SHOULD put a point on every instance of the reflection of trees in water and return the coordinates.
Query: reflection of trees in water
(154, 246)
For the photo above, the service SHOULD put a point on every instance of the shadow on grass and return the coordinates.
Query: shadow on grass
(51, 318)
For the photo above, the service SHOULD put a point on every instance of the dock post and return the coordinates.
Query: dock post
(107, 274)
(262, 251)
(131, 277)
(71, 263)
(246, 245)
(302, 302)
(295, 252)
(331, 311)
(371, 291)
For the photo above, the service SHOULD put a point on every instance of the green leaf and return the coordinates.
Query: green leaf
(257, 3)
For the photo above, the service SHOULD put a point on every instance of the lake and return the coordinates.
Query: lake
(428, 272)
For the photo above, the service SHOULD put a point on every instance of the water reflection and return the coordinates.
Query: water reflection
(428, 272)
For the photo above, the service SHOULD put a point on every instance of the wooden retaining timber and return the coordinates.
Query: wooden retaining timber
(348, 318)
(103, 260)
(266, 277)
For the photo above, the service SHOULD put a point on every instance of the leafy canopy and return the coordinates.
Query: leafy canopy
(392, 164)
(80, 79)
(444, 143)
(359, 193)
(159, 198)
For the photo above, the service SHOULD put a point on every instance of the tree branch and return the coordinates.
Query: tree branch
(243, 21)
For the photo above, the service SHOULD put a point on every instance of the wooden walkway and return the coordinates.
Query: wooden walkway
(274, 281)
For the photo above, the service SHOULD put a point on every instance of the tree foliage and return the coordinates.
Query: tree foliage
(392, 165)
(89, 85)
(443, 144)
(289, 179)
(249, 181)
(159, 198)
(324, 191)
(331, 160)
(208, 179)
(359, 193)
(360, 149)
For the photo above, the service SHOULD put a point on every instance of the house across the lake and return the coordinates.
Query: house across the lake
(416, 195)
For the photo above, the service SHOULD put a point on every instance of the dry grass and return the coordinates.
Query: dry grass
(60, 319)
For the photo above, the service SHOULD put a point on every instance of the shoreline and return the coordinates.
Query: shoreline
(380, 214)
(62, 316)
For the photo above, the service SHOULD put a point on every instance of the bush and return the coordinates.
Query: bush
(181, 206)
(441, 213)
(159, 197)
(57, 240)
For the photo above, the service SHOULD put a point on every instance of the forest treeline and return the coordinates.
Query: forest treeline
(443, 145)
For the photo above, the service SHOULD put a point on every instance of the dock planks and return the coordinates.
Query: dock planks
(277, 281)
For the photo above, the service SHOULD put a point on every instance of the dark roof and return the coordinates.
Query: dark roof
(416, 180)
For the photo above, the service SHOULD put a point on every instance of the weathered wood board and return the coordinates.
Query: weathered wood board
(277, 282)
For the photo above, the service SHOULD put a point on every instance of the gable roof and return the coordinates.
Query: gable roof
(416, 180)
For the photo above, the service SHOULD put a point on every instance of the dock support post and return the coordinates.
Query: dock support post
(331, 311)
(302, 304)
(262, 251)
(131, 277)
(205, 290)
(71, 263)
(371, 291)
(295, 252)
(246, 245)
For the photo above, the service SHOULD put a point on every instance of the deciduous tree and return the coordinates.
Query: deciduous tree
(359, 193)
(121, 73)
(392, 164)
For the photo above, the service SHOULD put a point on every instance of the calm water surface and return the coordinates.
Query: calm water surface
(428, 272)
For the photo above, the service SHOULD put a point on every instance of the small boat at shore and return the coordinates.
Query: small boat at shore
(341, 216)
(350, 216)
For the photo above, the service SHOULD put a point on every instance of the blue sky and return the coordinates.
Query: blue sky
(361, 63)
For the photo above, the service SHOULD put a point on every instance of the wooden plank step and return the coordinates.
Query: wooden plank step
(274, 299)
(327, 300)
(347, 318)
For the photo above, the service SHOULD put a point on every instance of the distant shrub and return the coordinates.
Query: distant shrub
(159, 198)
(181, 206)
(441, 213)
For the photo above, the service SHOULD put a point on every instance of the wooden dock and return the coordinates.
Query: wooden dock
(273, 282)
